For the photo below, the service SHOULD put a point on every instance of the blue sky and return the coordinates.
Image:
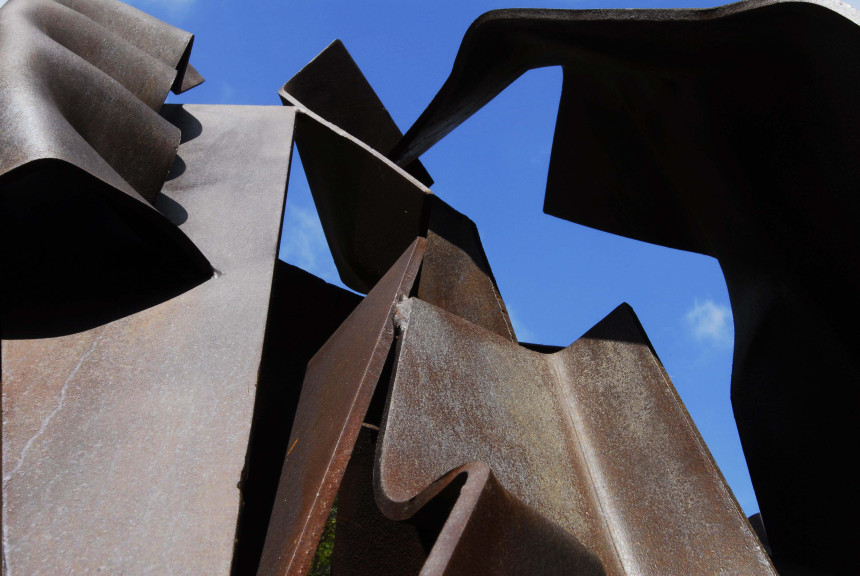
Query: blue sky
(558, 279)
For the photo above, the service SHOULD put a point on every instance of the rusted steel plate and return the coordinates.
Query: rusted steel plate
(706, 130)
(76, 78)
(123, 445)
(333, 87)
(593, 438)
(456, 275)
(464, 523)
(337, 390)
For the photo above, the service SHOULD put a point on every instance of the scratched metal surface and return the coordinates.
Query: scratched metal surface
(123, 445)
(336, 393)
(593, 438)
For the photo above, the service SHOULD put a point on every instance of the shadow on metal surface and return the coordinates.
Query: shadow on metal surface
(304, 312)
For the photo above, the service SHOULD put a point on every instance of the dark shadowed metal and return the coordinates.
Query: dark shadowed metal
(146, 429)
(333, 87)
(304, 312)
(733, 132)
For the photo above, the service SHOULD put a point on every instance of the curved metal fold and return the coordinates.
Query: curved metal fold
(79, 78)
(465, 522)
(593, 438)
(83, 154)
(338, 387)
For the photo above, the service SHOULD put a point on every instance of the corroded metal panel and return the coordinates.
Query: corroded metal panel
(593, 437)
(456, 274)
(123, 445)
(464, 523)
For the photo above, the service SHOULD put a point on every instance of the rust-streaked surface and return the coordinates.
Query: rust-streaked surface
(123, 445)
(338, 386)
(593, 438)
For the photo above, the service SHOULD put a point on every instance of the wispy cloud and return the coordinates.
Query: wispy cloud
(711, 322)
(304, 244)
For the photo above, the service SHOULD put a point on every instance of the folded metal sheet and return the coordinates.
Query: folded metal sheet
(456, 274)
(464, 523)
(333, 87)
(124, 445)
(304, 312)
(733, 132)
(593, 438)
(77, 77)
(339, 383)
(370, 209)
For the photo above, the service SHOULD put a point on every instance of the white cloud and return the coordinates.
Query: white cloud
(710, 322)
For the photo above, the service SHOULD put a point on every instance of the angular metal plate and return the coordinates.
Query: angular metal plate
(123, 445)
(339, 384)
(593, 437)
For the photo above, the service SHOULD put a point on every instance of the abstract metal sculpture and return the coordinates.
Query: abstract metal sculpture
(182, 361)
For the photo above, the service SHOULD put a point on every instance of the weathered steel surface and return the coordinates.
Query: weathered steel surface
(123, 445)
(593, 438)
(709, 130)
(464, 523)
(333, 87)
(76, 79)
(456, 275)
(338, 387)
(367, 219)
